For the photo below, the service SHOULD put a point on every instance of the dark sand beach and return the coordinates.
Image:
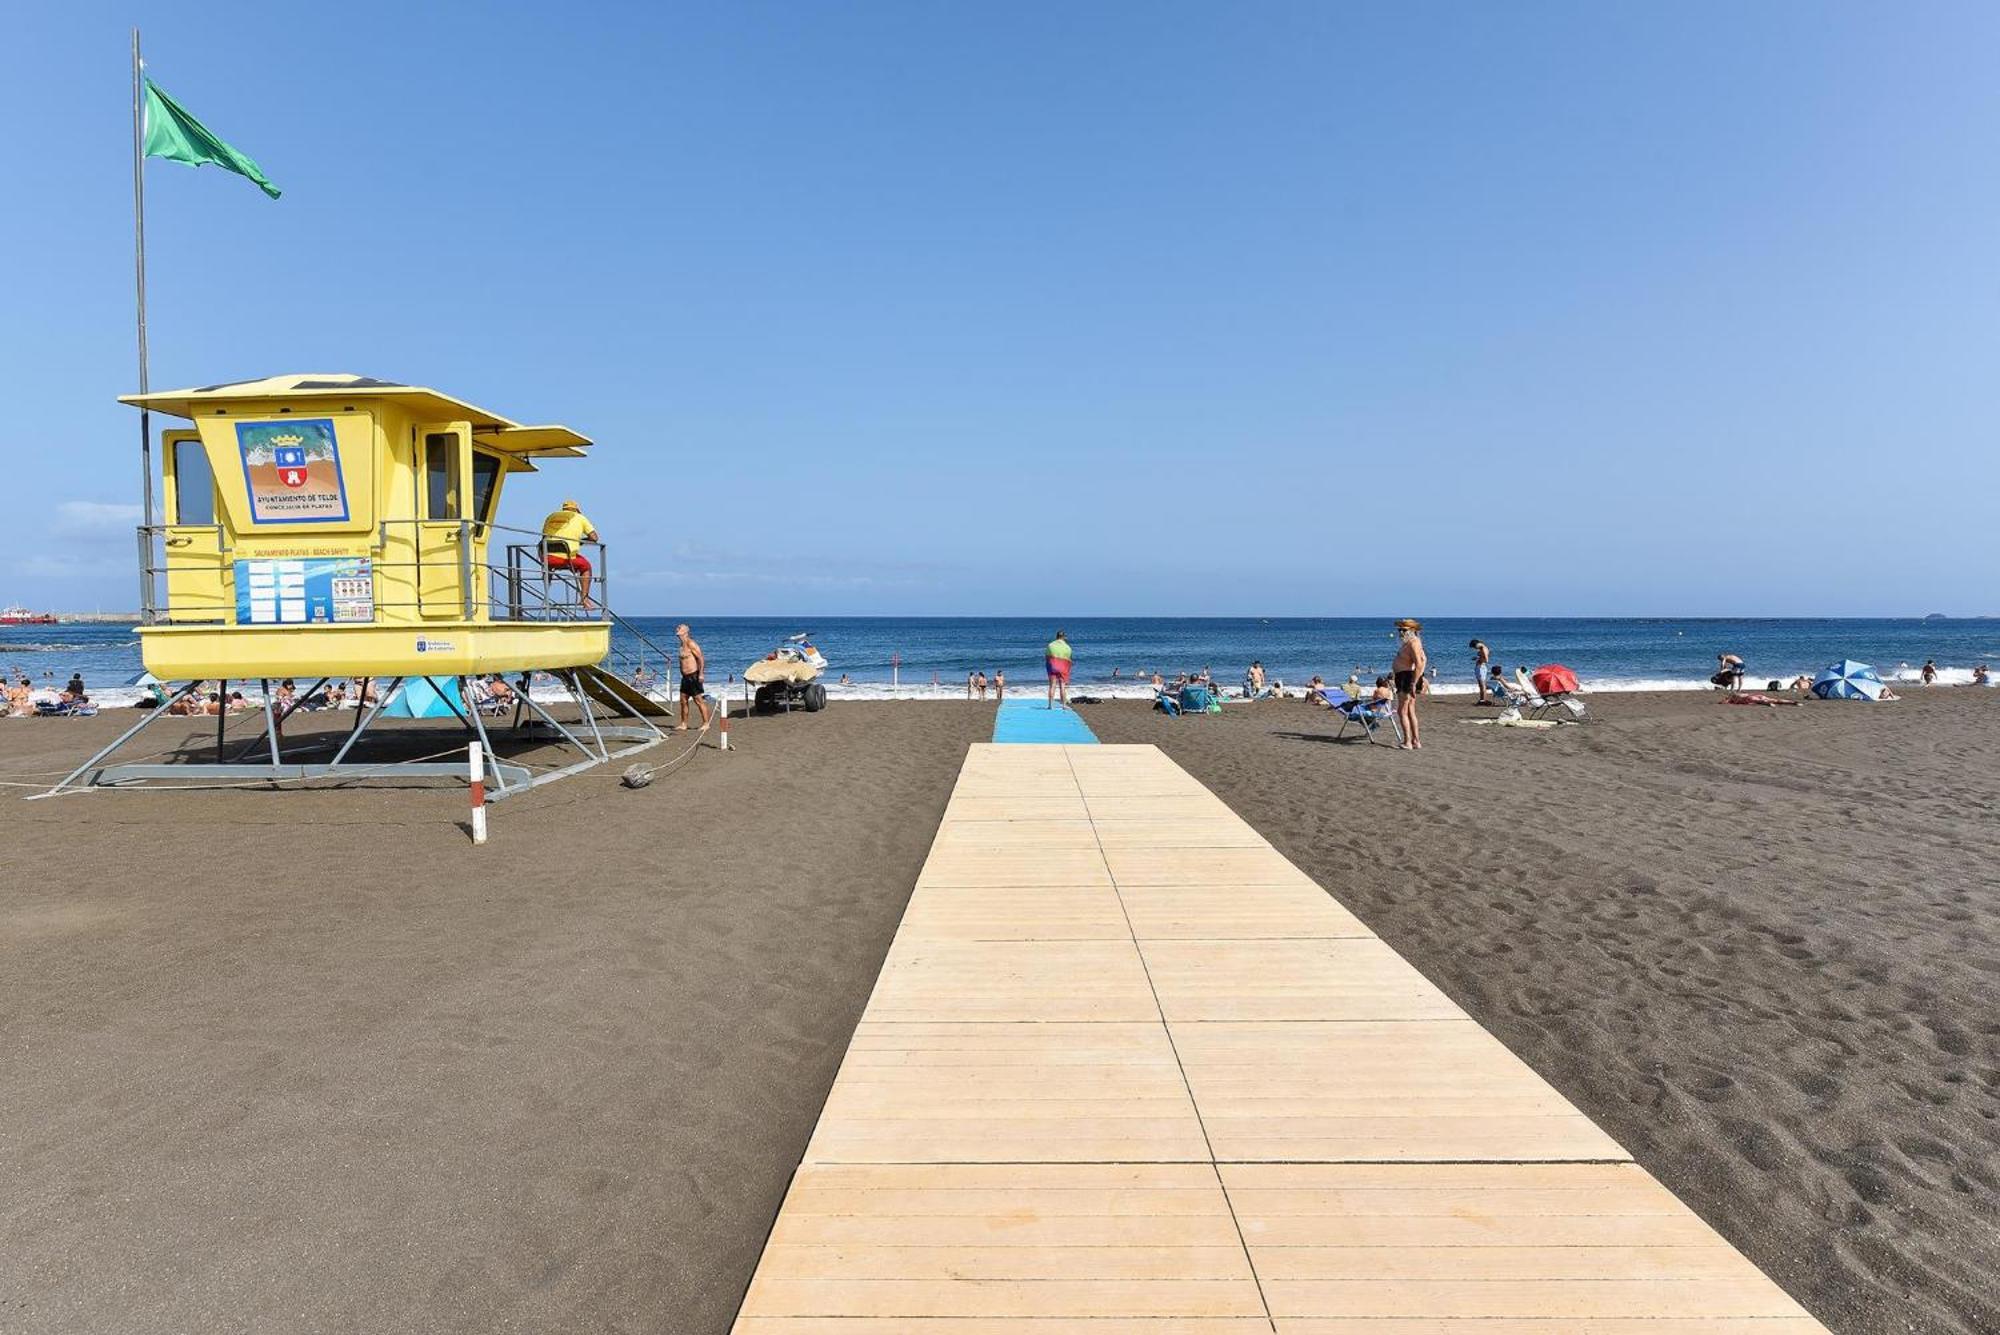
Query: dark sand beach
(312, 1063)
(1760, 946)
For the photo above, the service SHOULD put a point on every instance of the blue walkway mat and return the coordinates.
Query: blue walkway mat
(1031, 720)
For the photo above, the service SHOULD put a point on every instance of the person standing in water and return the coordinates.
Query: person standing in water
(1411, 660)
(1061, 658)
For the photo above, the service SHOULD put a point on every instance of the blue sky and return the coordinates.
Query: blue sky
(1106, 308)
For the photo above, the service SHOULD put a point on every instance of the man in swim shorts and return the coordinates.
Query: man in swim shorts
(1059, 660)
(1408, 670)
(693, 662)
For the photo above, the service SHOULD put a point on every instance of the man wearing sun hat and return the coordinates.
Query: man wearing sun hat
(1411, 660)
(563, 536)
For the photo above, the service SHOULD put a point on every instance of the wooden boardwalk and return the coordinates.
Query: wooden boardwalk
(1128, 1071)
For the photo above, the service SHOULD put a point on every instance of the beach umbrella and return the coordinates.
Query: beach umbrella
(144, 679)
(1553, 679)
(1847, 680)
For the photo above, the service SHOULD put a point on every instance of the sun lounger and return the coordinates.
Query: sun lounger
(1536, 705)
(1367, 715)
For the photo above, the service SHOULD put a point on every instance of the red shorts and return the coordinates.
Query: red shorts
(1059, 669)
(581, 563)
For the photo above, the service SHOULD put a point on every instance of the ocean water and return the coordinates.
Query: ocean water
(929, 657)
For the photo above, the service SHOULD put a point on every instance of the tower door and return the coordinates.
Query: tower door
(200, 580)
(449, 573)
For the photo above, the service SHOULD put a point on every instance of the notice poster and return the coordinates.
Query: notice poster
(292, 468)
(305, 591)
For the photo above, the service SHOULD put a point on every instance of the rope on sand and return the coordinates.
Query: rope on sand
(640, 774)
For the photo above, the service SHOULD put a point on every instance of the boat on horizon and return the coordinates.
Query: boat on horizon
(21, 616)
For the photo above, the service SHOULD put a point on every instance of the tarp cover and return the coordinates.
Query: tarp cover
(418, 699)
(1553, 679)
(1848, 680)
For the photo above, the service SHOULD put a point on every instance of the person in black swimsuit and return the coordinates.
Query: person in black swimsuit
(692, 663)
(1411, 660)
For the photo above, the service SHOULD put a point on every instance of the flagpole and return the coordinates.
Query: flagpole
(139, 282)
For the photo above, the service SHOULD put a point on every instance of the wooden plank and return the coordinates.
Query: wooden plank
(922, 1249)
(1091, 1092)
(1256, 1325)
(1020, 913)
(1164, 806)
(1013, 806)
(1746, 1295)
(1177, 832)
(944, 1261)
(1553, 1326)
(1042, 1298)
(1019, 866)
(1415, 1090)
(1202, 866)
(1013, 981)
(1462, 1242)
(1287, 911)
(1343, 979)
(1012, 834)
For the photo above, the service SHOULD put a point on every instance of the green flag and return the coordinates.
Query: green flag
(173, 133)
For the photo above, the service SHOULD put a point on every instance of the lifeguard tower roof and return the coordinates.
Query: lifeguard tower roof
(489, 429)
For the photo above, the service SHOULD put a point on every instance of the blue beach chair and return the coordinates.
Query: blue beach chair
(1186, 700)
(1367, 715)
(1197, 699)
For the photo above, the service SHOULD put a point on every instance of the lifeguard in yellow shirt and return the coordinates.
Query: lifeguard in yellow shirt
(563, 536)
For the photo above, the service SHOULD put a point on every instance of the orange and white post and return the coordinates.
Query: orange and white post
(475, 765)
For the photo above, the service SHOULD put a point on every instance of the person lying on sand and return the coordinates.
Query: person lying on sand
(1757, 698)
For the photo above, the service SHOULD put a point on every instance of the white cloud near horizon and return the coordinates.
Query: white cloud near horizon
(94, 519)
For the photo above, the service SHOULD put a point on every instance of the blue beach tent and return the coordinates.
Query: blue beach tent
(418, 699)
(1848, 680)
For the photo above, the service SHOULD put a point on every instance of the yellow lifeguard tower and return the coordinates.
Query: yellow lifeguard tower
(337, 526)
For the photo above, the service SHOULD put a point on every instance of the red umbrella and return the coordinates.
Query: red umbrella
(1553, 679)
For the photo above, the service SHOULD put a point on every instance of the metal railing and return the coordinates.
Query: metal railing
(443, 555)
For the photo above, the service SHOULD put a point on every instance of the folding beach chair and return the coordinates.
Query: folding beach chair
(1196, 699)
(1537, 705)
(1367, 715)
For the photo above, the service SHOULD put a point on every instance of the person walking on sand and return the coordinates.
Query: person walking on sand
(1930, 671)
(1411, 660)
(1481, 656)
(1059, 662)
(693, 663)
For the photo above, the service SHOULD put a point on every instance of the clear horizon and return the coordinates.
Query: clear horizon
(906, 310)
